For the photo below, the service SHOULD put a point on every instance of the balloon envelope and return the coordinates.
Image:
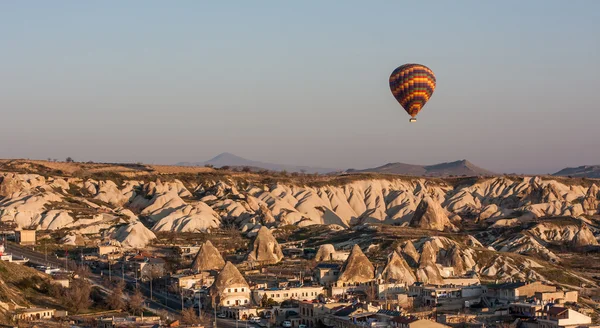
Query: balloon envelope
(412, 85)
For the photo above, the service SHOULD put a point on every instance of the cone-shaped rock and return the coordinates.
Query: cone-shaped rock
(410, 254)
(584, 237)
(591, 202)
(229, 277)
(326, 252)
(431, 216)
(357, 268)
(397, 270)
(428, 272)
(454, 259)
(265, 248)
(208, 258)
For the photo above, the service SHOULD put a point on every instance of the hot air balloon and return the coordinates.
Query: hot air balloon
(412, 85)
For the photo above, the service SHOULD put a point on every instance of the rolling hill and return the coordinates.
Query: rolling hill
(585, 171)
(228, 159)
(457, 168)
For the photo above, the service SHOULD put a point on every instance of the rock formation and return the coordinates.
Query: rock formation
(133, 235)
(428, 271)
(584, 238)
(431, 216)
(208, 258)
(591, 202)
(229, 277)
(326, 252)
(265, 249)
(357, 268)
(397, 270)
(454, 259)
(410, 254)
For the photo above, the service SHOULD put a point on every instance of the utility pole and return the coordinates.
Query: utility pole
(181, 294)
(215, 307)
(109, 270)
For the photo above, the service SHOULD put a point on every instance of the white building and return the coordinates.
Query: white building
(230, 288)
(304, 293)
(560, 317)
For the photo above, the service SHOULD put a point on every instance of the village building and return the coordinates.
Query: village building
(560, 317)
(25, 237)
(515, 291)
(414, 322)
(194, 281)
(447, 297)
(108, 249)
(34, 314)
(230, 288)
(557, 297)
(327, 274)
(239, 312)
(313, 314)
(147, 267)
(524, 310)
(279, 295)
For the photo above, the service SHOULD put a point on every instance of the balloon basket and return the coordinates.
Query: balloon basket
(412, 120)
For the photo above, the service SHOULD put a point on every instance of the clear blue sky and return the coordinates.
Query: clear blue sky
(301, 82)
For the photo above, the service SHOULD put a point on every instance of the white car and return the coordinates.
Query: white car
(221, 315)
(255, 319)
(301, 326)
(286, 324)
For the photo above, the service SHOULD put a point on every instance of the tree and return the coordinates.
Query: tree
(82, 271)
(56, 291)
(246, 169)
(69, 160)
(77, 297)
(271, 302)
(189, 317)
(136, 303)
(115, 299)
(264, 301)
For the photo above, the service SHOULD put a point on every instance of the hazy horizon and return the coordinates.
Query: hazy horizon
(301, 83)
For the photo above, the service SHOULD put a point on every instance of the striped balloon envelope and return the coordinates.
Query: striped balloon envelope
(412, 85)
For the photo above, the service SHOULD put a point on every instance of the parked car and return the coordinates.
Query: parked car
(301, 325)
(256, 319)
(286, 324)
(221, 315)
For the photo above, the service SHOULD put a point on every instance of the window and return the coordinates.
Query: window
(245, 301)
(235, 290)
(227, 302)
(229, 290)
(242, 290)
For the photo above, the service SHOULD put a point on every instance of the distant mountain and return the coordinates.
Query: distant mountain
(228, 159)
(586, 171)
(457, 168)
